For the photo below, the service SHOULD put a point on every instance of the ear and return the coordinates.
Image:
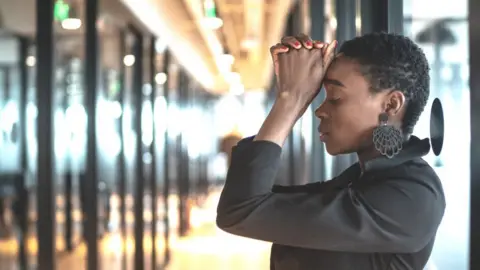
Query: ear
(394, 102)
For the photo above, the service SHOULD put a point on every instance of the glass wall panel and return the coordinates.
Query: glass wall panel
(442, 32)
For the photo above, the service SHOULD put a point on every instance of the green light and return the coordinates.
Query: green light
(209, 9)
(61, 10)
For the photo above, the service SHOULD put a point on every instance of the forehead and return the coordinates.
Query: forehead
(346, 71)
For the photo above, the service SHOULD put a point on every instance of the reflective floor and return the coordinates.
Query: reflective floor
(205, 247)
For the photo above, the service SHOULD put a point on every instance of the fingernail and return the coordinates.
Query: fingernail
(296, 43)
(336, 43)
(308, 43)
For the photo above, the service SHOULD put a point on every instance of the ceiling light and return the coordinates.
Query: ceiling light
(249, 43)
(225, 62)
(160, 45)
(148, 13)
(233, 78)
(212, 23)
(31, 61)
(237, 89)
(71, 24)
(161, 78)
(129, 60)
(211, 19)
(227, 58)
(333, 22)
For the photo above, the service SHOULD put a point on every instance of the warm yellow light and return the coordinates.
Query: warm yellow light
(249, 43)
(233, 78)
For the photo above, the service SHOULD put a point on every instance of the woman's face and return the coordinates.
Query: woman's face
(350, 111)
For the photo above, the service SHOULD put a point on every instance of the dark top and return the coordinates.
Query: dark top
(383, 218)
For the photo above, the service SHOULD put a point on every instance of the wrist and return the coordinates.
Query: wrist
(280, 121)
(289, 101)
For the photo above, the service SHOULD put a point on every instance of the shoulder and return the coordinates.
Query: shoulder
(414, 180)
(416, 170)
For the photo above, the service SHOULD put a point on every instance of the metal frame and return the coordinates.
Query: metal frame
(153, 152)
(138, 51)
(166, 164)
(22, 190)
(45, 157)
(183, 176)
(122, 180)
(474, 39)
(317, 156)
(382, 16)
(91, 82)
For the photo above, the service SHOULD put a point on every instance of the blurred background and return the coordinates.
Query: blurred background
(117, 118)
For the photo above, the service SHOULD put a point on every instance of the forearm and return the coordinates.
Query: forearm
(281, 119)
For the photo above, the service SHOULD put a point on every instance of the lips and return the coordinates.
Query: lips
(323, 134)
(322, 130)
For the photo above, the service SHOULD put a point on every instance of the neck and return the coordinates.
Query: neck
(366, 155)
(370, 153)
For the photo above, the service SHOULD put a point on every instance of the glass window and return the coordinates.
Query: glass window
(442, 32)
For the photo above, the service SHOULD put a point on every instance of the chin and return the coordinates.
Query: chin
(335, 150)
(332, 150)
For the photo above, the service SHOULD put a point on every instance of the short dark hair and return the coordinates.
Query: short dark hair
(392, 61)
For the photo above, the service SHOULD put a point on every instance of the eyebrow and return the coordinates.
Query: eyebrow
(332, 81)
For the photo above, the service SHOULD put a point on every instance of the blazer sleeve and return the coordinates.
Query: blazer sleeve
(398, 215)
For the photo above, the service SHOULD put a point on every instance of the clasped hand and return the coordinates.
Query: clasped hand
(300, 65)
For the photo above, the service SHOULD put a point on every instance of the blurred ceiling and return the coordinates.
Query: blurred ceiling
(249, 28)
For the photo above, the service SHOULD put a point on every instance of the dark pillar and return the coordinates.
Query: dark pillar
(139, 176)
(45, 157)
(382, 16)
(294, 140)
(91, 181)
(345, 13)
(122, 180)
(474, 37)
(183, 165)
(22, 191)
(166, 164)
(153, 151)
(68, 211)
(317, 32)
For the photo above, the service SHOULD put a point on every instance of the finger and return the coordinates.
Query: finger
(278, 48)
(324, 48)
(305, 40)
(274, 52)
(329, 53)
(292, 42)
(318, 44)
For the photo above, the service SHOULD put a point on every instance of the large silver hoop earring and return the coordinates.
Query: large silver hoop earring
(388, 140)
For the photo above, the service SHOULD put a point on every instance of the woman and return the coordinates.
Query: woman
(381, 213)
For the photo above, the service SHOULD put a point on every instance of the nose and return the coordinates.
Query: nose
(320, 112)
